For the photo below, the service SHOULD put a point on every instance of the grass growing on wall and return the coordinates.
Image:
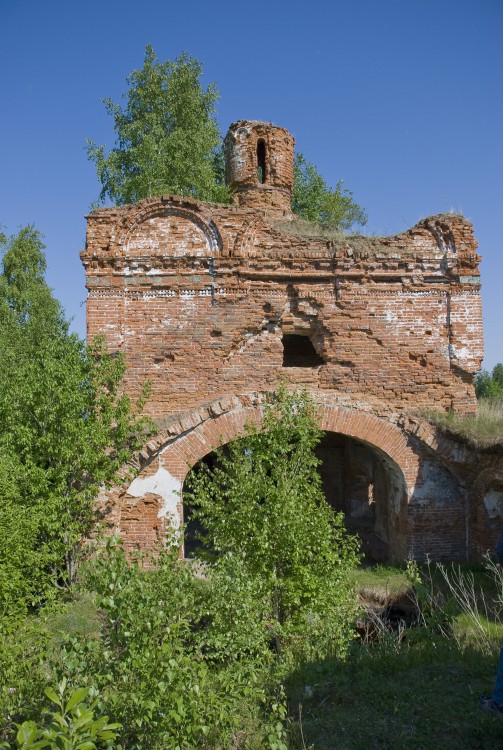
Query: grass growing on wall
(482, 430)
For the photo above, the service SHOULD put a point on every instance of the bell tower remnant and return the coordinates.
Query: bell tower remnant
(259, 167)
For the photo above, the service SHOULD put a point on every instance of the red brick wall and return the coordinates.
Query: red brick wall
(395, 319)
(198, 297)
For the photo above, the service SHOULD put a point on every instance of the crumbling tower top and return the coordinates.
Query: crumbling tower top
(259, 166)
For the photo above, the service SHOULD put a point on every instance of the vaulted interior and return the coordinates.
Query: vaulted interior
(368, 487)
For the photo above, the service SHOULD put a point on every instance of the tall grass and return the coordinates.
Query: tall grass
(480, 619)
(456, 602)
(482, 430)
(415, 687)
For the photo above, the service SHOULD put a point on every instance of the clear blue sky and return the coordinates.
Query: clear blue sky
(402, 99)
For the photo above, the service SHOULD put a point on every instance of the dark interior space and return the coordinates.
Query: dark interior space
(298, 351)
(368, 488)
(261, 174)
(358, 480)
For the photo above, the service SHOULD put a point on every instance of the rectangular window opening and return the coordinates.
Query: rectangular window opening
(298, 351)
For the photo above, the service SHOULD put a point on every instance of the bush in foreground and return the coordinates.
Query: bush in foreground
(182, 661)
(272, 533)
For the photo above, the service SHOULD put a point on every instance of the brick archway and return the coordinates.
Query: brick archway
(154, 498)
(179, 454)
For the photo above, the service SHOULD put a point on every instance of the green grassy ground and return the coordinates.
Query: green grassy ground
(418, 691)
(422, 697)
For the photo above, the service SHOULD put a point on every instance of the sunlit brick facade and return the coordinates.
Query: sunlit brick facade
(215, 304)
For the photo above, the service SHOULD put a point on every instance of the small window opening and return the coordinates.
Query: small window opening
(261, 175)
(298, 351)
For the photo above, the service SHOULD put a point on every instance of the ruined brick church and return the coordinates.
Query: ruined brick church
(215, 304)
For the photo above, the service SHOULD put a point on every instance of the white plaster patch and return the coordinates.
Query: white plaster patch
(493, 500)
(188, 310)
(249, 339)
(461, 352)
(428, 490)
(163, 484)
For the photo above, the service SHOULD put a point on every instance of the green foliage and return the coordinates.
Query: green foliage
(315, 201)
(490, 386)
(231, 610)
(149, 665)
(167, 139)
(65, 429)
(23, 670)
(148, 669)
(72, 727)
(273, 535)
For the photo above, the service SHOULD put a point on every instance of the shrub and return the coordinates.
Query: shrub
(72, 726)
(273, 535)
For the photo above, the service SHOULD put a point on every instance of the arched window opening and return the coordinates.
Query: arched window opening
(261, 173)
(298, 351)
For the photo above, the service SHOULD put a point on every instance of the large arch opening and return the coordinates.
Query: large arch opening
(368, 487)
(359, 480)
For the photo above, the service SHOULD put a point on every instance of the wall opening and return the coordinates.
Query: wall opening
(486, 513)
(192, 526)
(298, 351)
(368, 487)
(358, 480)
(261, 171)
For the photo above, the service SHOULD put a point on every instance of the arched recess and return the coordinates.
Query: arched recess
(485, 511)
(357, 479)
(369, 488)
(198, 434)
(151, 225)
